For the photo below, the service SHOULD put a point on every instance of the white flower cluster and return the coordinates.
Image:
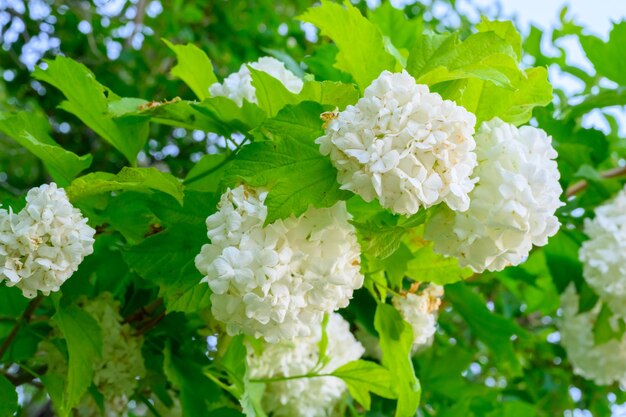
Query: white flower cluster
(277, 281)
(420, 311)
(43, 244)
(403, 145)
(604, 254)
(512, 207)
(305, 397)
(238, 86)
(116, 374)
(605, 363)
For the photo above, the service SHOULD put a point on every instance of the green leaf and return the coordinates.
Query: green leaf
(562, 259)
(88, 100)
(270, 92)
(603, 98)
(32, 132)
(505, 30)
(289, 164)
(494, 330)
(487, 100)
(194, 68)
(197, 391)
(396, 342)
(8, 398)
(605, 55)
(329, 93)
(362, 52)
(179, 113)
(363, 377)
(427, 265)
(227, 117)
(145, 180)
(273, 96)
(234, 363)
(167, 259)
(206, 175)
(603, 328)
(483, 55)
(84, 344)
(393, 23)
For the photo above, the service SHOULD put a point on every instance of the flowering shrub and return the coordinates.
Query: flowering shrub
(386, 218)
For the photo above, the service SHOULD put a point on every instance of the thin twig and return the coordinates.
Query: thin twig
(144, 311)
(24, 318)
(218, 166)
(151, 324)
(581, 185)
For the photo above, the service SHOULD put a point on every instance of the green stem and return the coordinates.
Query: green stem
(148, 404)
(218, 166)
(385, 287)
(220, 384)
(287, 378)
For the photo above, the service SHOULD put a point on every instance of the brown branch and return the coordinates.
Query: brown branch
(143, 312)
(150, 324)
(581, 185)
(24, 318)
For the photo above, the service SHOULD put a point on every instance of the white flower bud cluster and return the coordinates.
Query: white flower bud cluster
(116, 374)
(605, 363)
(277, 281)
(238, 86)
(604, 254)
(403, 145)
(43, 244)
(305, 397)
(513, 205)
(420, 311)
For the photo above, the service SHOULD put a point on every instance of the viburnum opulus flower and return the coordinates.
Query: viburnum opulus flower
(277, 281)
(43, 244)
(238, 86)
(403, 145)
(604, 254)
(513, 205)
(420, 311)
(603, 363)
(117, 373)
(305, 397)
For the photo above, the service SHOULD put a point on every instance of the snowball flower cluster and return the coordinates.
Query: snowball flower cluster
(305, 397)
(604, 254)
(277, 281)
(116, 373)
(403, 145)
(238, 86)
(605, 363)
(420, 311)
(43, 244)
(512, 207)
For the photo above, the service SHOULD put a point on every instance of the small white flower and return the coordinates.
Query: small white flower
(277, 281)
(117, 373)
(43, 245)
(513, 205)
(420, 311)
(305, 397)
(403, 145)
(605, 363)
(604, 254)
(238, 86)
